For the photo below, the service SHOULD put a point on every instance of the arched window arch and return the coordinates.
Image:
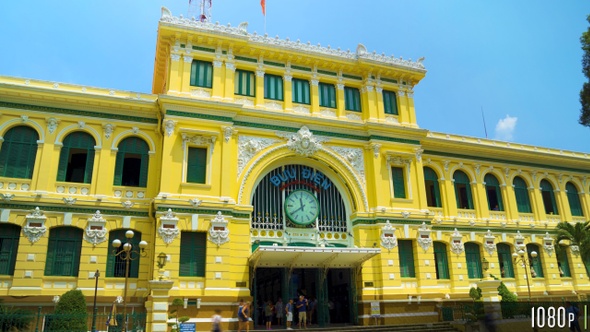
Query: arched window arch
(505, 260)
(9, 237)
(76, 158)
(473, 258)
(523, 202)
(494, 193)
(18, 152)
(535, 263)
(441, 260)
(573, 198)
(131, 167)
(548, 197)
(462, 190)
(116, 265)
(432, 188)
(63, 251)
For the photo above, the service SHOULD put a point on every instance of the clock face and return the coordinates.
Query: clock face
(302, 207)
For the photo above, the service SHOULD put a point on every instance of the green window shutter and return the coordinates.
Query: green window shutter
(399, 183)
(442, 261)
(462, 190)
(473, 260)
(62, 169)
(143, 171)
(9, 239)
(245, 83)
(273, 87)
(548, 197)
(50, 256)
(432, 187)
(89, 165)
(18, 152)
(119, 168)
(352, 99)
(406, 258)
(196, 169)
(505, 260)
(492, 185)
(522, 195)
(300, 89)
(536, 263)
(134, 146)
(389, 102)
(327, 95)
(573, 198)
(116, 265)
(193, 254)
(63, 252)
(201, 74)
(563, 262)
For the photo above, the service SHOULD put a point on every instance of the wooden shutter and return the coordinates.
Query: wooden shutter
(50, 253)
(573, 198)
(406, 259)
(300, 89)
(473, 260)
(536, 263)
(143, 171)
(389, 102)
(9, 239)
(201, 74)
(119, 168)
(18, 153)
(442, 262)
(505, 259)
(193, 253)
(327, 95)
(522, 195)
(399, 183)
(62, 169)
(196, 165)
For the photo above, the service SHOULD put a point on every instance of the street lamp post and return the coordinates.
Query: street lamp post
(127, 255)
(521, 257)
(94, 312)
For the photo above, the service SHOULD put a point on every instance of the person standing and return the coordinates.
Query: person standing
(216, 321)
(302, 311)
(268, 309)
(289, 312)
(279, 310)
(312, 307)
(571, 310)
(243, 316)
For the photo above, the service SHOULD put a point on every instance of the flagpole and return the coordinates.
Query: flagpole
(264, 17)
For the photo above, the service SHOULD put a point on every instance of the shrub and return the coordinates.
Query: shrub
(14, 318)
(70, 313)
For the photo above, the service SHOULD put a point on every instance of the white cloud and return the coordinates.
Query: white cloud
(505, 128)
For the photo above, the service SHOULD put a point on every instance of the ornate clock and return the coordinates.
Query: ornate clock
(302, 207)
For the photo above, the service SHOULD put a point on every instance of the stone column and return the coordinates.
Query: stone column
(490, 297)
(157, 305)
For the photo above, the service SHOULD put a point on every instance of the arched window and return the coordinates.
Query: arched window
(548, 197)
(76, 158)
(473, 258)
(441, 260)
(493, 192)
(536, 265)
(18, 153)
(573, 198)
(9, 236)
(63, 251)
(131, 168)
(116, 265)
(505, 260)
(462, 190)
(523, 202)
(563, 262)
(432, 188)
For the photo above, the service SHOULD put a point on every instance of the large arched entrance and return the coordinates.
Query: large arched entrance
(302, 244)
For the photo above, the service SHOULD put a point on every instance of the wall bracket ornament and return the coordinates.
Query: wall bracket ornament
(303, 143)
(488, 242)
(168, 229)
(35, 226)
(457, 246)
(95, 231)
(218, 232)
(424, 239)
(169, 127)
(518, 241)
(548, 244)
(388, 238)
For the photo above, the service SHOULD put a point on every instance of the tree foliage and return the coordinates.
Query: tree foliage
(175, 326)
(585, 92)
(507, 296)
(14, 318)
(70, 313)
(577, 234)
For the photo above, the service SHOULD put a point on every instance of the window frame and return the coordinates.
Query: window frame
(18, 155)
(573, 195)
(522, 196)
(9, 240)
(498, 191)
(76, 141)
(435, 186)
(330, 100)
(548, 198)
(113, 261)
(396, 183)
(204, 165)
(190, 254)
(390, 101)
(407, 268)
(536, 263)
(120, 162)
(352, 99)
(196, 80)
(441, 261)
(278, 90)
(473, 260)
(68, 238)
(457, 185)
(250, 79)
(297, 97)
(505, 258)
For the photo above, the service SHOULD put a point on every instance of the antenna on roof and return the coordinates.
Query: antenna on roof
(200, 9)
(484, 123)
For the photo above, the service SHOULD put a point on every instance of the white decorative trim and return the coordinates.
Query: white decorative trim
(228, 132)
(457, 246)
(355, 157)
(548, 244)
(391, 119)
(230, 66)
(169, 127)
(108, 129)
(175, 57)
(218, 232)
(7, 197)
(244, 101)
(419, 152)
(273, 105)
(187, 58)
(519, 241)
(301, 109)
(353, 116)
(424, 239)
(127, 204)
(328, 112)
(488, 242)
(388, 238)
(202, 93)
(195, 202)
(248, 147)
(376, 147)
(198, 139)
(70, 200)
(575, 250)
(34, 233)
(52, 124)
(303, 143)
(168, 229)
(96, 231)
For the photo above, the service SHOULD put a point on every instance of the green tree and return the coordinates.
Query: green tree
(577, 234)
(177, 304)
(507, 296)
(14, 318)
(70, 313)
(585, 92)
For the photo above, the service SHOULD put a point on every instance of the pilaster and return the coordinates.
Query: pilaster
(218, 89)
(176, 73)
(480, 200)
(404, 115)
(411, 109)
(315, 93)
(369, 102)
(379, 101)
(425, 268)
(260, 86)
(185, 75)
(230, 71)
(340, 111)
(157, 305)
(288, 90)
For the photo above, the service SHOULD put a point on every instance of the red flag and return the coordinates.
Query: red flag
(263, 5)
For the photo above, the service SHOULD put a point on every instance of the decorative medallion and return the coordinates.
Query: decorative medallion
(96, 231)
(457, 246)
(195, 202)
(35, 226)
(388, 238)
(168, 229)
(548, 244)
(128, 204)
(424, 239)
(169, 127)
(575, 250)
(69, 200)
(519, 241)
(52, 124)
(488, 243)
(228, 132)
(108, 129)
(303, 143)
(218, 232)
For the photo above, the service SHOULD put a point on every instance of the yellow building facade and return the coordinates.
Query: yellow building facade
(265, 168)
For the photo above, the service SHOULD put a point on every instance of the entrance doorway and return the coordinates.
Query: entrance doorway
(333, 293)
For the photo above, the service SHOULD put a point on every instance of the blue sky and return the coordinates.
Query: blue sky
(519, 61)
